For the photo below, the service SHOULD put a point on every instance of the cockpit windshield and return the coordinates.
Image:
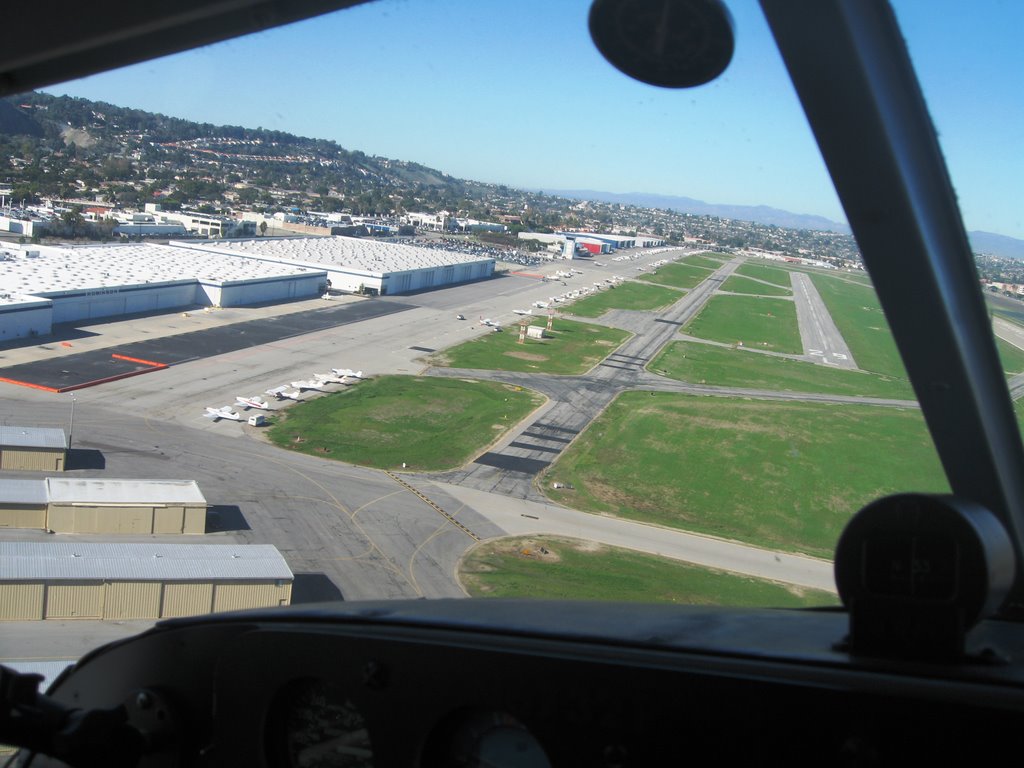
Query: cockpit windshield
(545, 332)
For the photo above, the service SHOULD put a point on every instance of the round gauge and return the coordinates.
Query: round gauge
(314, 724)
(476, 739)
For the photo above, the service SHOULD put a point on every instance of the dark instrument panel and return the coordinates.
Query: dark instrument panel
(461, 683)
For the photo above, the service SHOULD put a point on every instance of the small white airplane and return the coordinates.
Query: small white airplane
(329, 378)
(282, 393)
(252, 402)
(522, 311)
(490, 323)
(224, 412)
(540, 304)
(348, 373)
(309, 384)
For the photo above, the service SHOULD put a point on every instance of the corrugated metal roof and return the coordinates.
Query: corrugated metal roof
(22, 491)
(70, 490)
(61, 561)
(32, 437)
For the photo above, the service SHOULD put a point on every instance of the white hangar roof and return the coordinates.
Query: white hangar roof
(32, 437)
(29, 560)
(20, 491)
(374, 257)
(90, 490)
(53, 271)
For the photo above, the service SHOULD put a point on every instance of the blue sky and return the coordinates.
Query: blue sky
(514, 92)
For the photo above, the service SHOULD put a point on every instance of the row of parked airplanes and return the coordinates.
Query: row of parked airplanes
(291, 391)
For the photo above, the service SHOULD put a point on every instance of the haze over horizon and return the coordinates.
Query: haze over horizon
(524, 99)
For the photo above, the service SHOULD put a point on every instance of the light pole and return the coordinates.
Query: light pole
(71, 425)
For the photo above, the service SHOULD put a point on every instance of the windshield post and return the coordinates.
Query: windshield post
(854, 77)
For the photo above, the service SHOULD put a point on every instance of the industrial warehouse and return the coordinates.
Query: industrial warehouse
(41, 286)
(358, 265)
(93, 505)
(137, 581)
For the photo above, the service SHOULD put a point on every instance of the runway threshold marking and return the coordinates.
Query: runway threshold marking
(436, 507)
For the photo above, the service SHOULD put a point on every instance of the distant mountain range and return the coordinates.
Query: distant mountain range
(997, 245)
(759, 214)
(981, 242)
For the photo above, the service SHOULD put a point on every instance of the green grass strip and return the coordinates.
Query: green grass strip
(774, 275)
(751, 321)
(678, 275)
(781, 475)
(568, 569)
(740, 284)
(1011, 356)
(726, 367)
(628, 295)
(704, 260)
(570, 348)
(428, 423)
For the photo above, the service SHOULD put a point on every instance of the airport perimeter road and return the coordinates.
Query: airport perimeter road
(519, 518)
(823, 343)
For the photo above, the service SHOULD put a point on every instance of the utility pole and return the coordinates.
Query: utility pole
(71, 425)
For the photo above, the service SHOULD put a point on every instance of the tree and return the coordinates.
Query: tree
(263, 228)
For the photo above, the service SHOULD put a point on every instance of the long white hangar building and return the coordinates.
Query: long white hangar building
(76, 580)
(352, 263)
(44, 285)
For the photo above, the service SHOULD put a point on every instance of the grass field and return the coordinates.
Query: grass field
(741, 284)
(769, 274)
(572, 348)
(709, 260)
(629, 295)
(708, 364)
(751, 321)
(783, 475)
(428, 423)
(678, 275)
(570, 569)
(1012, 357)
(858, 315)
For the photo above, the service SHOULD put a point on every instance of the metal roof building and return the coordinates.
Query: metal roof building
(32, 448)
(66, 580)
(48, 284)
(100, 505)
(352, 262)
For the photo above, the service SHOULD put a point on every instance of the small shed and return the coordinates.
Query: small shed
(73, 580)
(37, 449)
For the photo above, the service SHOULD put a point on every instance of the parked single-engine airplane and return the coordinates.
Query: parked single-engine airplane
(329, 378)
(347, 373)
(308, 384)
(224, 412)
(252, 402)
(282, 393)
